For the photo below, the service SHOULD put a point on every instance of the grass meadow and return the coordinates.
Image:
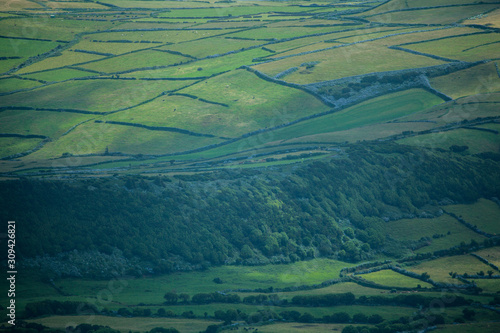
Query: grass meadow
(485, 214)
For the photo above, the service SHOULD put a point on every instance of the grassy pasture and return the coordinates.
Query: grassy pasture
(51, 124)
(392, 279)
(159, 4)
(181, 112)
(67, 58)
(492, 19)
(370, 132)
(18, 5)
(296, 43)
(485, 214)
(466, 48)
(92, 95)
(438, 269)
(472, 81)
(12, 84)
(42, 26)
(113, 48)
(210, 46)
(346, 61)
(471, 107)
(59, 74)
(268, 33)
(376, 110)
(492, 254)
(477, 141)
(488, 327)
(489, 286)
(72, 5)
(93, 138)
(446, 15)
(8, 64)
(233, 11)
(403, 4)
(255, 103)
(150, 290)
(166, 36)
(226, 24)
(415, 229)
(10, 47)
(207, 67)
(127, 324)
(12, 146)
(138, 59)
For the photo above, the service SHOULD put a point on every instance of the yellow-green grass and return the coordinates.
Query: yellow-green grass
(91, 95)
(298, 328)
(59, 74)
(67, 58)
(51, 124)
(124, 325)
(344, 287)
(161, 4)
(484, 46)
(28, 163)
(477, 141)
(491, 254)
(12, 84)
(282, 32)
(206, 67)
(392, 279)
(183, 112)
(415, 229)
(151, 289)
(491, 20)
(233, 11)
(346, 61)
(311, 47)
(210, 46)
(300, 22)
(8, 64)
(94, 138)
(11, 146)
(255, 103)
(403, 4)
(446, 15)
(439, 269)
(476, 80)
(223, 24)
(296, 43)
(469, 108)
(114, 48)
(485, 214)
(18, 5)
(374, 111)
(370, 132)
(360, 35)
(23, 48)
(167, 36)
(73, 5)
(42, 26)
(489, 285)
(488, 327)
(140, 59)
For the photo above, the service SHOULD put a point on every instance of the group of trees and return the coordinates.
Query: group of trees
(267, 216)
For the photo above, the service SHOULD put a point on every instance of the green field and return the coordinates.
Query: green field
(332, 63)
(439, 269)
(415, 229)
(14, 145)
(377, 110)
(477, 141)
(13, 84)
(484, 214)
(480, 79)
(393, 279)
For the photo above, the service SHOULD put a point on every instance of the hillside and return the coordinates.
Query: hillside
(273, 166)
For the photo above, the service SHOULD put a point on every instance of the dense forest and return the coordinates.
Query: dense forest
(331, 208)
